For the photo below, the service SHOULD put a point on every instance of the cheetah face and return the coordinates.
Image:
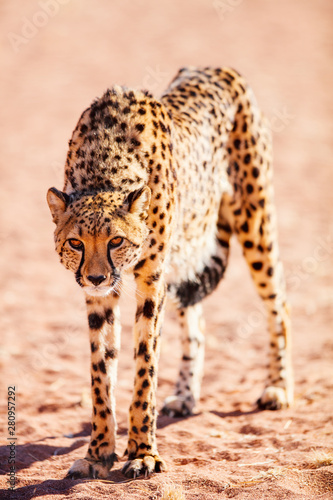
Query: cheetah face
(98, 237)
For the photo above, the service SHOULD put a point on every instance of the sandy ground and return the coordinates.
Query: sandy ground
(56, 56)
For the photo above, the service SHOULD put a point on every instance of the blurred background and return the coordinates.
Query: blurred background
(58, 55)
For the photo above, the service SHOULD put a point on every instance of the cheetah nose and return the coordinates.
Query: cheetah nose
(96, 280)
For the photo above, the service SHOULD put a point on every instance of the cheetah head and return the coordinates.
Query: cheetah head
(99, 236)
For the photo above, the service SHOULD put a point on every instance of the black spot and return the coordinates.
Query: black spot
(224, 227)
(262, 202)
(137, 404)
(223, 243)
(151, 371)
(101, 366)
(140, 264)
(97, 391)
(163, 127)
(111, 353)
(257, 266)
(95, 321)
(148, 308)
(102, 414)
(247, 158)
(140, 127)
(109, 316)
(142, 372)
(142, 348)
(144, 428)
(255, 172)
(145, 384)
(237, 143)
(145, 405)
(83, 128)
(270, 271)
(135, 430)
(99, 401)
(248, 244)
(93, 347)
(135, 142)
(245, 227)
(93, 443)
(249, 188)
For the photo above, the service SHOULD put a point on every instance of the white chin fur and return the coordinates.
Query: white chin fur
(101, 291)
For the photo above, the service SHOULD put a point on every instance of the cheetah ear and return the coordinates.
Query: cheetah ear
(57, 201)
(138, 202)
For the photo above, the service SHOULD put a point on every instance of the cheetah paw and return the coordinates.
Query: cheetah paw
(274, 398)
(89, 468)
(145, 466)
(178, 406)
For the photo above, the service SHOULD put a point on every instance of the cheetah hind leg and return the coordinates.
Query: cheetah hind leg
(187, 390)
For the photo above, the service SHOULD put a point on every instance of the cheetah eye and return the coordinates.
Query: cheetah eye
(116, 241)
(76, 244)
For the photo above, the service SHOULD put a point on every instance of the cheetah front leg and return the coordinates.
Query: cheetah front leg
(104, 327)
(142, 449)
(187, 390)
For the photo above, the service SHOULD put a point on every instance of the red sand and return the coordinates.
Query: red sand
(54, 62)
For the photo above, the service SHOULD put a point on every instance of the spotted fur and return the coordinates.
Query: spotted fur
(156, 188)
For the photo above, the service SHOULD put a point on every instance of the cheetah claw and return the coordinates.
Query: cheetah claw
(143, 466)
(274, 398)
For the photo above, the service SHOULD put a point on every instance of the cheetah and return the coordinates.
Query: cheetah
(156, 188)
